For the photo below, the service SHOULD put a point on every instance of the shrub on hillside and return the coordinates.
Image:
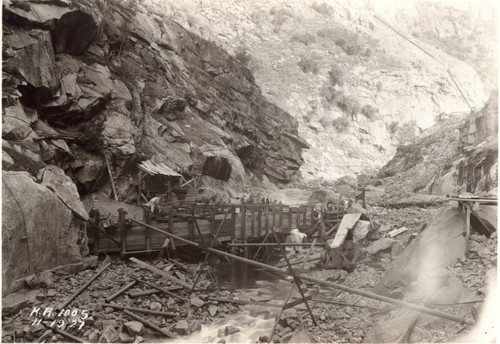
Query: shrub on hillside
(393, 127)
(341, 124)
(325, 122)
(304, 38)
(322, 8)
(349, 105)
(308, 64)
(369, 111)
(242, 55)
(280, 15)
(337, 76)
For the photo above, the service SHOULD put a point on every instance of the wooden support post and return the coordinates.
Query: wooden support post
(83, 287)
(139, 189)
(281, 218)
(96, 221)
(243, 223)
(121, 226)
(305, 218)
(233, 222)
(252, 215)
(467, 227)
(150, 324)
(259, 220)
(267, 219)
(290, 225)
(147, 231)
(212, 221)
(207, 255)
(295, 278)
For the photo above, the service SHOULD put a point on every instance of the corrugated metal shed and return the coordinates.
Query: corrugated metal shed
(152, 168)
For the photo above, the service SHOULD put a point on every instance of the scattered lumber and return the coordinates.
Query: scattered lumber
(121, 291)
(163, 290)
(244, 302)
(140, 310)
(164, 274)
(150, 324)
(68, 335)
(83, 287)
(141, 293)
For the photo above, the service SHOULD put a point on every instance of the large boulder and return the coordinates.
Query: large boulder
(55, 180)
(438, 245)
(15, 121)
(38, 230)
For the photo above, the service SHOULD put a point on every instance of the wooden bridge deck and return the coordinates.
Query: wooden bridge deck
(242, 223)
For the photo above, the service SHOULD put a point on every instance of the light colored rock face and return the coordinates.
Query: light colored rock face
(404, 83)
(38, 230)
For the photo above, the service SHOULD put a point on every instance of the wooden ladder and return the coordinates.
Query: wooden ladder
(112, 177)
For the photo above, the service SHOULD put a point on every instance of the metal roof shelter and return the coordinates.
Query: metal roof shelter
(156, 179)
(152, 168)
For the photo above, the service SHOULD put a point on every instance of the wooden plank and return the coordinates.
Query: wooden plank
(348, 222)
(233, 222)
(267, 219)
(122, 228)
(252, 216)
(147, 231)
(281, 218)
(157, 271)
(243, 222)
(150, 324)
(259, 220)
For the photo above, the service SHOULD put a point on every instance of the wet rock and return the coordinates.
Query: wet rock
(196, 301)
(230, 330)
(182, 327)
(75, 31)
(195, 326)
(212, 310)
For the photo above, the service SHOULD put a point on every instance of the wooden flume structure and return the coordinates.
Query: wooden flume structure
(239, 225)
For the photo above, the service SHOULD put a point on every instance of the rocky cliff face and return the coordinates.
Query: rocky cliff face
(81, 78)
(357, 88)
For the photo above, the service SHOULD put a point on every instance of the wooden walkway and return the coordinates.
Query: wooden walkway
(236, 223)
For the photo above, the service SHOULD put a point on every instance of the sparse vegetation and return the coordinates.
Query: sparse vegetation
(349, 105)
(393, 127)
(337, 76)
(308, 64)
(322, 8)
(280, 15)
(369, 111)
(304, 38)
(242, 55)
(341, 124)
